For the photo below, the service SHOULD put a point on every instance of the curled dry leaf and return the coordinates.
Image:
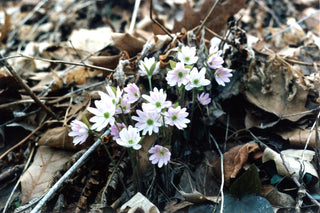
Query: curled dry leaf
(273, 88)
(139, 203)
(235, 159)
(216, 21)
(293, 159)
(275, 197)
(127, 42)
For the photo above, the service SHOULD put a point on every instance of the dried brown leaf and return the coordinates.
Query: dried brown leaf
(110, 62)
(36, 179)
(298, 137)
(58, 138)
(6, 27)
(127, 42)
(235, 159)
(216, 21)
(79, 75)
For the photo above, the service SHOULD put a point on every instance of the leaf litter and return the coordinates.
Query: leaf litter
(264, 121)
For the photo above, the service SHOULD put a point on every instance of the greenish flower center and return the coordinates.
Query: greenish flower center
(130, 141)
(187, 58)
(150, 122)
(106, 115)
(196, 81)
(162, 152)
(158, 104)
(174, 117)
(114, 101)
(180, 74)
(136, 95)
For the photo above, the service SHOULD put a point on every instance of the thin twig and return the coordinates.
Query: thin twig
(67, 62)
(222, 173)
(22, 141)
(219, 36)
(26, 87)
(18, 182)
(157, 23)
(75, 166)
(134, 16)
(296, 181)
(206, 18)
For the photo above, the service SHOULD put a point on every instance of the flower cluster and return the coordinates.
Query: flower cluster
(116, 105)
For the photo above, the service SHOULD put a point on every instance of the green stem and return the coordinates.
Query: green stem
(150, 83)
(182, 92)
(193, 103)
(133, 164)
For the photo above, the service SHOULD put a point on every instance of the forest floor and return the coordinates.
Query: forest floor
(159, 106)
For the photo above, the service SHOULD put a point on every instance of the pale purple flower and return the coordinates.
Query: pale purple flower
(148, 120)
(178, 76)
(124, 107)
(177, 117)
(215, 60)
(80, 132)
(104, 112)
(159, 155)
(187, 55)
(157, 99)
(129, 138)
(115, 131)
(197, 79)
(132, 93)
(204, 98)
(222, 75)
(148, 67)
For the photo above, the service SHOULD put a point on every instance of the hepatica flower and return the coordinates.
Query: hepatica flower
(123, 107)
(222, 75)
(157, 99)
(178, 76)
(187, 55)
(204, 98)
(159, 155)
(148, 120)
(80, 132)
(115, 131)
(115, 95)
(148, 67)
(214, 60)
(104, 112)
(177, 117)
(132, 93)
(197, 79)
(129, 138)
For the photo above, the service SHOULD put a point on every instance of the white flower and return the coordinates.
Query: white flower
(157, 99)
(215, 60)
(177, 117)
(149, 67)
(160, 155)
(129, 138)
(148, 120)
(80, 132)
(179, 75)
(222, 75)
(187, 55)
(115, 95)
(132, 93)
(104, 112)
(197, 79)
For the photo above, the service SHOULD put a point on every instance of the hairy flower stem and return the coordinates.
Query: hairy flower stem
(150, 83)
(123, 117)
